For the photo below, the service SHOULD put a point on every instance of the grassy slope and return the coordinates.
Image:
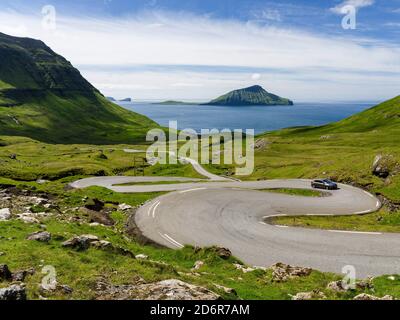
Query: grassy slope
(73, 117)
(54, 161)
(343, 151)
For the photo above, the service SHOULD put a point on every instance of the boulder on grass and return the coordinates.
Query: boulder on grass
(5, 214)
(14, 292)
(282, 272)
(80, 243)
(384, 165)
(41, 236)
(5, 273)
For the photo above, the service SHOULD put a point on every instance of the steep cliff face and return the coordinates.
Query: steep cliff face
(30, 64)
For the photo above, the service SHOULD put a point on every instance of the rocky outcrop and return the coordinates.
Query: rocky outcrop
(197, 265)
(124, 207)
(260, 144)
(141, 257)
(223, 253)
(341, 286)
(19, 276)
(81, 243)
(13, 292)
(384, 165)
(5, 214)
(312, 295)
(282, 272)
(85, 241)
(365, 296)
(163, 290)
(243, 268)
(5, 273)
(41, 236)
(226, 289)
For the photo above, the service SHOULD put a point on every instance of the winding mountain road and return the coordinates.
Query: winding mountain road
(235, 215)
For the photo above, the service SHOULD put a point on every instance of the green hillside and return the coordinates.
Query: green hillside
(42, 96)
(252, 96)
(344, 151)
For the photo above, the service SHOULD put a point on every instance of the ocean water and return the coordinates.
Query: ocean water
(259, 118)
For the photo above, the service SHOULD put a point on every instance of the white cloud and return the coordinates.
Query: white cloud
(392, 24)
(269, 14)
(315, 66)
(256, 76)
(354, 3)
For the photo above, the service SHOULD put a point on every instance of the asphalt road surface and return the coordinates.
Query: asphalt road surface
(235, 215)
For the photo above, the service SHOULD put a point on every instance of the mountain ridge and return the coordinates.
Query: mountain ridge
(42, 96)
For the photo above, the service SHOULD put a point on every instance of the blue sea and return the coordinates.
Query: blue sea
(260, 118)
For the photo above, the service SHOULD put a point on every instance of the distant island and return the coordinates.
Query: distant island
(174, 103)
(112, 99)
(251, 96)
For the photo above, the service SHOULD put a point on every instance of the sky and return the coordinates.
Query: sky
(196, 50)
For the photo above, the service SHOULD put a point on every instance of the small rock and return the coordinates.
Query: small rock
(124, 207)
(336, 286)
(198, 265)
(38, 201)
(141, 257)
(260, 144)
(80, 243)
(365, 285)
(2, 253)
(100, 217)
(312, 295)
(223, 253)
(42, 236)
(22, 274)
(28, 218)
(392, 278)
(226, 289)
(83, 242)
(5, 273)
(384, 165)
(282, 272)
(50, 287)
(13, 156)
(243, 268)
(94, 224)
(14, 292)
(5, 214)
(102, 244)
(41, 181)
(340, 286)
(365, 296)
(95, 205)
(164, 290)
(65, 289)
